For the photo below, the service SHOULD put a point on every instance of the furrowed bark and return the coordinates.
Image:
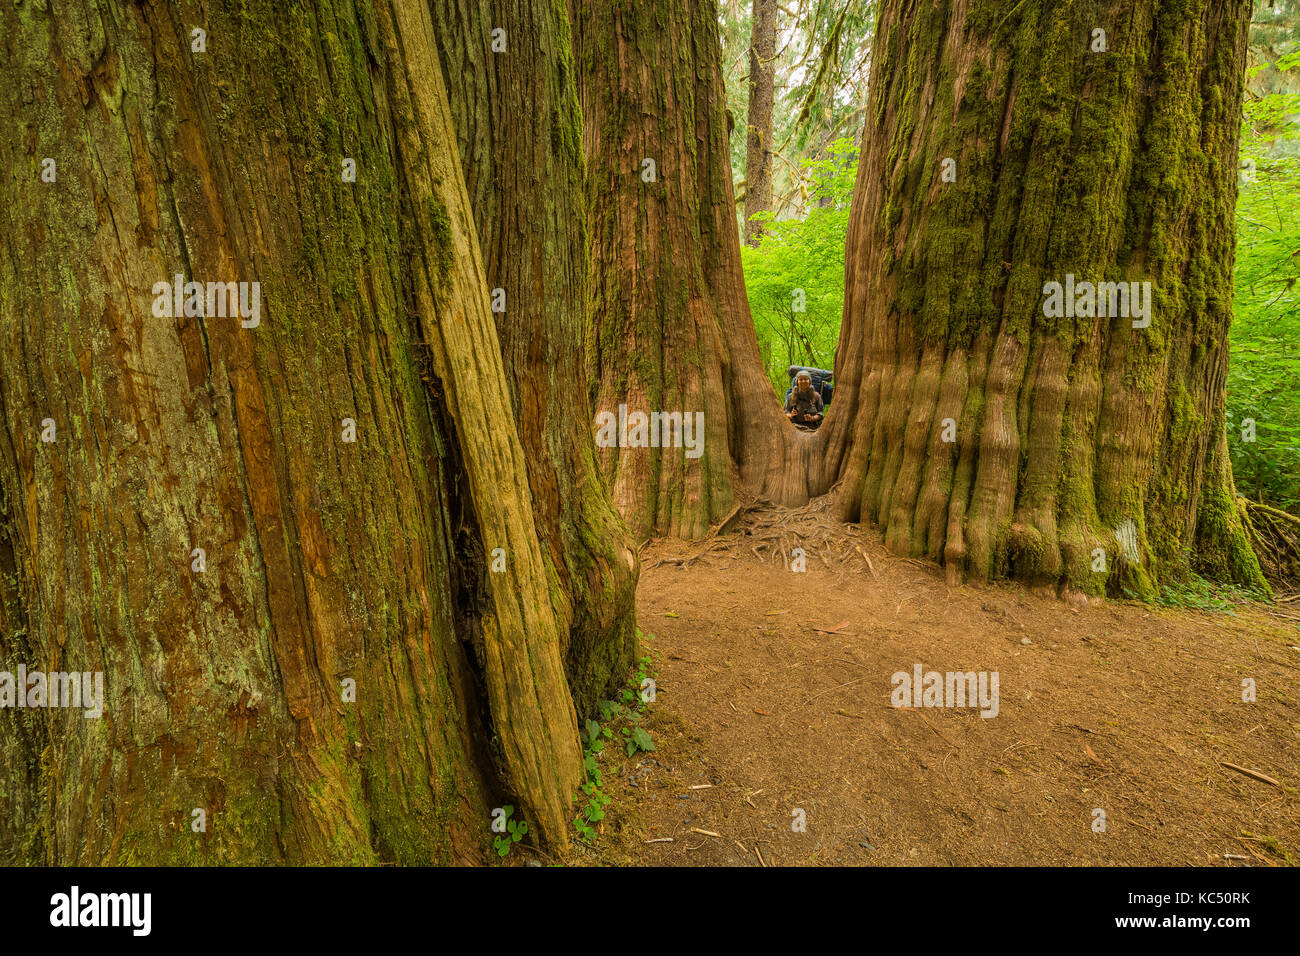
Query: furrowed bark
(671, 330)
(1073, 436)
(520, 135)
(326, 561)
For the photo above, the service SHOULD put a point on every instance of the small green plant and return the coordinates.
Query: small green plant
(637, 739)
(1198, 594)
(591, 815)
(515, 830)
(593, 739)
(1272, 846)
(630, 707)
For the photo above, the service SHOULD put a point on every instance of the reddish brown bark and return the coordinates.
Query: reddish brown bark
(326, 561)
(671, 323)
(511, 84)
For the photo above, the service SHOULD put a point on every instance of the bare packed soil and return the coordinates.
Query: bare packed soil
(773, 706)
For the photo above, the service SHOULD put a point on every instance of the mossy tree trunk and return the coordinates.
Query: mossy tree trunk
(513, 96)
(326, 561)
(759, 128)
(671, 329)
(1072, 437)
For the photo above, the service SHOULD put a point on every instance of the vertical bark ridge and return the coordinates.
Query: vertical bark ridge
(526, 685)
(519, 129)
(670, 323)
(1064, 164)
(325, 561)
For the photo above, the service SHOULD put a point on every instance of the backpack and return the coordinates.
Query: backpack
(821, 381)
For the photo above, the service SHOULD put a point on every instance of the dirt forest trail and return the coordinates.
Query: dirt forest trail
(1125, 708)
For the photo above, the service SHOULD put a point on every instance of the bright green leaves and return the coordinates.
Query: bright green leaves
(637, 739)
(514, 831)
(795, 278)
(628, 710)
(1263, 414)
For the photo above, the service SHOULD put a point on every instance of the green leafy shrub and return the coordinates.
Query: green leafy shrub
(795, 278)
(1264, 371)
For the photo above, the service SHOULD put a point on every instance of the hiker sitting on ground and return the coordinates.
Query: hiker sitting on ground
(804, 406)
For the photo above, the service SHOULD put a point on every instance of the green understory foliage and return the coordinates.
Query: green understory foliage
(1264, 373)
(515, 831)
(1198, 594)
(601, 742)
(799, 264)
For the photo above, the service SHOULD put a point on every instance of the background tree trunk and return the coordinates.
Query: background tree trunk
(671, 328)
(325, 560)
(1072, 434)
(520, 133)
(758, 139)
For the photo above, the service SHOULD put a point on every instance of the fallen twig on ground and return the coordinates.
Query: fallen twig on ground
(1253, 774)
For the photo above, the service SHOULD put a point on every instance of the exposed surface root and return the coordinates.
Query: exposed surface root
(774, 533)
(1275, 535)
